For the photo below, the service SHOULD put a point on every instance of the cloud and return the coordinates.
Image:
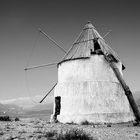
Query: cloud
(27, 102)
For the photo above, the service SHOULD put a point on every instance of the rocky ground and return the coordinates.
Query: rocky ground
(32, 129)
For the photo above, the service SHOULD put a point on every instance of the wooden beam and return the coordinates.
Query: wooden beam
(127, 90)
(48, 93)
(40, 66)
(62, 49)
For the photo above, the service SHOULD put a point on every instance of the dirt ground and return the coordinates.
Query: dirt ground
(32, 129)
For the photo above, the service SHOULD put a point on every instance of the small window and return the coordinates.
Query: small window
(96, 44)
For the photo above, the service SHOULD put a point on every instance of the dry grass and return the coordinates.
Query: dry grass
(40, 129)
(75, 134)
(50, 134)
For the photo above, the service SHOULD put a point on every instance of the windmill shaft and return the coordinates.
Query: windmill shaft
(128, 92)
(52, 40)
(35, 67)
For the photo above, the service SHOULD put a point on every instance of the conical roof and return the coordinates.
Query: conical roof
(85, 44)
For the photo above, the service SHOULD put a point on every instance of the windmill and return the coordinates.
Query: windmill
(90, 83)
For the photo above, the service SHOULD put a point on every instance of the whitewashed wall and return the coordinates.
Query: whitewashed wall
(90, 91)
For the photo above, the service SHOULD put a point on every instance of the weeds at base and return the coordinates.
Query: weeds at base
(75, 134)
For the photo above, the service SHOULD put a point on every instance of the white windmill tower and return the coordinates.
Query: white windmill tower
(90, 86)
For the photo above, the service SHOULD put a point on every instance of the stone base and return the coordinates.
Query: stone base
(96, 118)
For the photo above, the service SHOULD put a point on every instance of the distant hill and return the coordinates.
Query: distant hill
(48, 106)
(39, 111)
(13, 107)
(3, 109)
(10, 109)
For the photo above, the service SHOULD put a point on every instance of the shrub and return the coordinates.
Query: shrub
(1, 133)
(85, 123)
(50, 134)
(16, 119)
(74, 134)
(5, 118)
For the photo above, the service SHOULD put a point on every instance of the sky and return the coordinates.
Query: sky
(63, 20)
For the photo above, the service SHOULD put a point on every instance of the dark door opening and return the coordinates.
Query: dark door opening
(57, 105)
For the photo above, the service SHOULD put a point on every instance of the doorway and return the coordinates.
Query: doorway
(57, 105)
